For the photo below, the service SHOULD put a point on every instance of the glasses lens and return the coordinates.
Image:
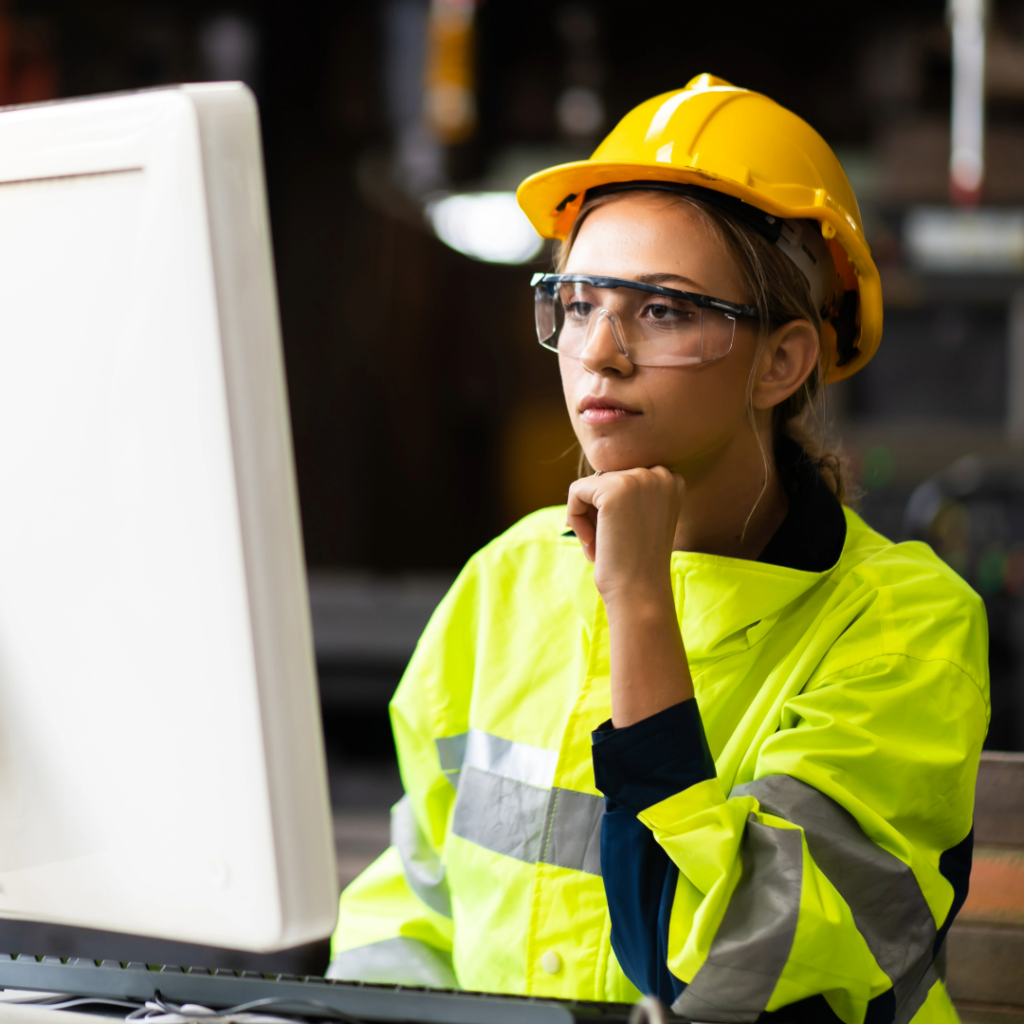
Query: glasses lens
(544, 317)
(656, 330)
(674, 332)
(563, 314)
(575, 307)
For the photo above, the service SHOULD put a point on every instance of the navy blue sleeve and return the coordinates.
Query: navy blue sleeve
(635, 768)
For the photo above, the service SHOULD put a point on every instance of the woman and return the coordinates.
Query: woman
(718, 740)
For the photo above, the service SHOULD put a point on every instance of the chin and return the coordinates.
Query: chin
(613, 457)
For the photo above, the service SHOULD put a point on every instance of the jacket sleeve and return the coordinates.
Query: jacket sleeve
(395, 920)
(635, 768)
(825, 884)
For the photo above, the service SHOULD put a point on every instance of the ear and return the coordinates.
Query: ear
(788, 359)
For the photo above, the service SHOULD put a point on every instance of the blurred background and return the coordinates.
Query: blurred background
(427, 419)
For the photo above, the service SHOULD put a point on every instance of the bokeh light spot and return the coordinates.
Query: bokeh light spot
(488, 226)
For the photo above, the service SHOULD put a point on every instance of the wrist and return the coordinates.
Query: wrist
(639, 603)
(648, 666)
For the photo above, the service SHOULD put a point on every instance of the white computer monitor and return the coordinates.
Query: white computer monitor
(161, 758)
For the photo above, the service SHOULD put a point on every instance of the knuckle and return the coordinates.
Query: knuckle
(658, 478)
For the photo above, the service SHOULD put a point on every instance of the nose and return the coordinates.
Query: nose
(605, 348)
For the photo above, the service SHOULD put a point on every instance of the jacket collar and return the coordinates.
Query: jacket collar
(723, 604)
(726, 604)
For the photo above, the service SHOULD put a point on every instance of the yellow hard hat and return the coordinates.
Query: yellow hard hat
(740, 144)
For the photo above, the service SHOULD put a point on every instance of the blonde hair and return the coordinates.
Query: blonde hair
(781, 294)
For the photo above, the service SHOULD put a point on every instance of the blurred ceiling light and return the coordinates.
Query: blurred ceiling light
(580, 112)
(449, 100)
(229, 48)
(967, 151)
(982, 241)
(488, 226)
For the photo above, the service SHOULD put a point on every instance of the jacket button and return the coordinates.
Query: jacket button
(551, 962)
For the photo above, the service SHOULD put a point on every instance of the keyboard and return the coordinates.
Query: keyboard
(294, 996)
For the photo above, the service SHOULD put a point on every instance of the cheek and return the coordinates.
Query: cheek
(727, 381)
(572, 372)
(705, 403)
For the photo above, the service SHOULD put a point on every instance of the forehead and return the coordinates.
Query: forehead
(651, 234)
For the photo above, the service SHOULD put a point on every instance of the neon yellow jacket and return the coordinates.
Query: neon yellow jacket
(845, 713)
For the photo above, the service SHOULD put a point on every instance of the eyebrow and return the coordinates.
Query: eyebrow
(666, 278)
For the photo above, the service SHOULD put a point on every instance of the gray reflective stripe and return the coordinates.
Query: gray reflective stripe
(554, 826)
(451, 751)
(500, 814)
(478, 749)
(533, 765)
(424, 870)
(916, 999)
(752, 944)
(881, 891)
(398, 961)
(572, 831)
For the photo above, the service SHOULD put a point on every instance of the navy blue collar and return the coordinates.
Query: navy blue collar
(812, 535)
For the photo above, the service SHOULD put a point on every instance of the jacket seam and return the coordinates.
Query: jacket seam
(910, 657)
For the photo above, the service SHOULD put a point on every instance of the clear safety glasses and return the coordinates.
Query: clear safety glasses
(651, 325)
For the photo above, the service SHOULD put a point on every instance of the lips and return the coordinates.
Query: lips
(596, 410)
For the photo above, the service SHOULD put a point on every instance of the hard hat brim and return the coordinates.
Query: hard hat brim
(552, 198)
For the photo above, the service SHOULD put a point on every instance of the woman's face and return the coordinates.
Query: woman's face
(628, 416)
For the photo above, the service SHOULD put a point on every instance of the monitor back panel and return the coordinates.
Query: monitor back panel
(161, 757)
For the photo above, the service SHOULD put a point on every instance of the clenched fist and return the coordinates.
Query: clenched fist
(626, 522)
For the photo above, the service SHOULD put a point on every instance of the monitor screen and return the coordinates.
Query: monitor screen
(161, 754)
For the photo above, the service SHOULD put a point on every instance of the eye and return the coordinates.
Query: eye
(578, 310)
(678, 314)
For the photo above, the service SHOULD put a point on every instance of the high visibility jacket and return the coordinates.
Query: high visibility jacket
(844, 711)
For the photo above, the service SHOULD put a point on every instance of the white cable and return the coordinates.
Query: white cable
(648, 1010)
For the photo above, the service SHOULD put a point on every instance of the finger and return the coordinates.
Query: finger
(584, 490)
(675, 485)
(589, 551)
(584, 525)
(581, 511)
